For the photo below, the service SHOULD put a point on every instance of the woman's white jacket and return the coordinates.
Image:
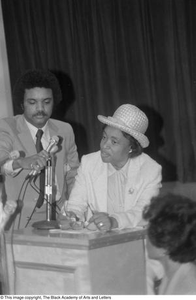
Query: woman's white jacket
(144, 182)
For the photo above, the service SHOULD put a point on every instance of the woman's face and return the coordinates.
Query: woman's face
(114, 147)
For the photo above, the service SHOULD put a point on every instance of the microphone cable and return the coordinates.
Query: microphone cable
(13, 256)
(21, 201)
(53, 205)
(33, 185)
(36, 188)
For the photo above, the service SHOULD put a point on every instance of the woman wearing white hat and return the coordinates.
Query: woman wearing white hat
(114, 184)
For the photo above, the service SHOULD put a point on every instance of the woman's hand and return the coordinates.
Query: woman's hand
(35, 162)
(69, 221)
(103, 221)
(63, 221)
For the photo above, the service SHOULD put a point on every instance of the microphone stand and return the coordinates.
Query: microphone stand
(48, 223)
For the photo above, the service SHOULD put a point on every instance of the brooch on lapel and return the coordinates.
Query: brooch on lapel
(130, 191)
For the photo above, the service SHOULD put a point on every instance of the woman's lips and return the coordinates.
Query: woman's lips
(104, 154)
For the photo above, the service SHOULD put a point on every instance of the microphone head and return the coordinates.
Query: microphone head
(6, 212)
(54, 149)
(55, 139)
(14, 154)
(6, 155)
(10, 207)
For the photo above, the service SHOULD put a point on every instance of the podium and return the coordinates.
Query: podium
(56, 262)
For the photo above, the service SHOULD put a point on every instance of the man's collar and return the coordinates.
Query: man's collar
(34, 129)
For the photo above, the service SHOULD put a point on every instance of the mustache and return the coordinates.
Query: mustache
(40, 113)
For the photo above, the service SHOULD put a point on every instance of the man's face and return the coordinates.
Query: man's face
(38, 105)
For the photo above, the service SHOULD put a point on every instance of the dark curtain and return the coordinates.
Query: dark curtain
(109, 52)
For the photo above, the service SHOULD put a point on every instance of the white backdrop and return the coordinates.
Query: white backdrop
(6, 108)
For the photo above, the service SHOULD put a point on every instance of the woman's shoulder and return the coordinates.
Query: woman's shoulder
(92, 162)
(148, 162)
(92, 157)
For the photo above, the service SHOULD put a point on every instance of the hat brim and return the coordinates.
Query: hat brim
(140, 137)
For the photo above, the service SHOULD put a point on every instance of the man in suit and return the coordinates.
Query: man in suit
(37, 92)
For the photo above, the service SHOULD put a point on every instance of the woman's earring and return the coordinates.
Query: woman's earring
(130, 150)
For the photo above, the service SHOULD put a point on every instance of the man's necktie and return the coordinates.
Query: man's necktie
(39, 148)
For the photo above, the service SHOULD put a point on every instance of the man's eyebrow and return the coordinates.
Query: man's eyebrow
(31, 98)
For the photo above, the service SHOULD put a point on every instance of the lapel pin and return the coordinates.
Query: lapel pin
(130, 191)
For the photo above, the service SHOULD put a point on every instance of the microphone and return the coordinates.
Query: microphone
(6, 155)
(6, 212)
(53, 142)
(51, 148)
(14, 154)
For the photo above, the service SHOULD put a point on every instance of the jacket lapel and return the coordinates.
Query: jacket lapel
(132, 182)
(99, 185)
(25, 136)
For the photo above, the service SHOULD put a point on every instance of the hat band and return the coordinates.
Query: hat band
(117, 121)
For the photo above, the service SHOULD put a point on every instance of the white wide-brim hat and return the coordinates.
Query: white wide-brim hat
(130, 119)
